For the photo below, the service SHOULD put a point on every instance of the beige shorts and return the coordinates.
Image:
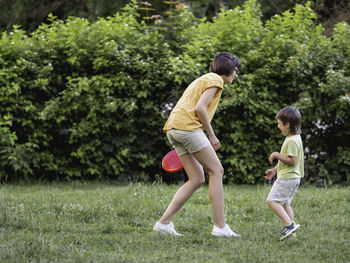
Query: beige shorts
(283, 190)
(187, 141)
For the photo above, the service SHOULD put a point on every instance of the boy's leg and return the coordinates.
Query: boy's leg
(289, 211)
(293, 186)
(195, 174)
(280, 211)
(208, 159)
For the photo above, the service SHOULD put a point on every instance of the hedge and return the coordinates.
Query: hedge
(89, 100)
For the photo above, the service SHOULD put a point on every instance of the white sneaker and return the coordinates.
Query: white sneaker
(166, 229)
(224, 232)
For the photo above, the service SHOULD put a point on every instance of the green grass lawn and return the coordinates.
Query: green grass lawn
(107, 222)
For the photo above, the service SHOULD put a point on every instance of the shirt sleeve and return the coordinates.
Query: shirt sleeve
(292, 148)
(213, 81)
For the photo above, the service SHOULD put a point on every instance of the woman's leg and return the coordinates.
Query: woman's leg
(196, 179)
(208, 159)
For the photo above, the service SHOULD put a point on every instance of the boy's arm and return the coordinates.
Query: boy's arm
(270, 173)
(290, 160)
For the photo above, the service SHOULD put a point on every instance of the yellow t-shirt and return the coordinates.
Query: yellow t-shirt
(183, 116)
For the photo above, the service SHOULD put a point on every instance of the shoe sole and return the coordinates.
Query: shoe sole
(290, 233)
(166, 233)
(221, 235)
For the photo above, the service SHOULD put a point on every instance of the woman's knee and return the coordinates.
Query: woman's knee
(217, 171)
(198, 182)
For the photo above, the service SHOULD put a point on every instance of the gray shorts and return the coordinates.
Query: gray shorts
(187, 141)
(283, 190)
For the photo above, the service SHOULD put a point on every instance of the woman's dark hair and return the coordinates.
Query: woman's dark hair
(291, 115)
(224, 64)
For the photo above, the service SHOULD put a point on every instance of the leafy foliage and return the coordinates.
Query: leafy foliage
(287, 61)
(83, 99)
(86, 95)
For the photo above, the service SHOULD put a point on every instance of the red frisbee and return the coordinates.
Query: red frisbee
(171, 162)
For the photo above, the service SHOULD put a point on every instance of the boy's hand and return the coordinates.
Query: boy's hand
(270, 174)
(273, 156)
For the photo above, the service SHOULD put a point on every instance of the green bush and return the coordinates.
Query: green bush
(287, 61)
(18, 105)
(82, 99)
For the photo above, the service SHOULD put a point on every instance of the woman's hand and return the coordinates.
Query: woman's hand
(214, 142)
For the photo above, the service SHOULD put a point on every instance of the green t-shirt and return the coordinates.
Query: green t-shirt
(292, 146)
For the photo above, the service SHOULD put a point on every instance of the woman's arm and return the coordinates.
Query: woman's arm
(201, 110)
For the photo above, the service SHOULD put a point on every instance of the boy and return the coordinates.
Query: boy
(289, 169)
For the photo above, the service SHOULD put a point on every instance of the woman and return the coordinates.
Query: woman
(184, 128)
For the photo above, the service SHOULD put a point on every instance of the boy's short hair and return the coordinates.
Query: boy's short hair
(291, 115)
(224, 64)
